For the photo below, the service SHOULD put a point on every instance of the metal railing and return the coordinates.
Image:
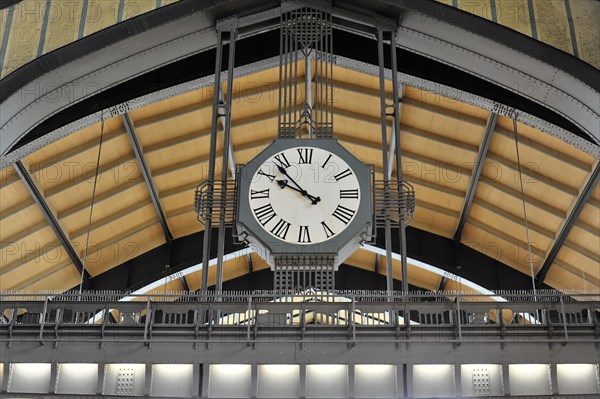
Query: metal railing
(348, 316)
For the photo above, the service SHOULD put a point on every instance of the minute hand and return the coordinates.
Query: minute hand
(284, 172)
(314, 200)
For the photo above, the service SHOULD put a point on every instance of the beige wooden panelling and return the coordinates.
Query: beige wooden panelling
(63, 279)
(562, 279)
(14, 196)
(104, 256)
(545, 139)
(514, 205)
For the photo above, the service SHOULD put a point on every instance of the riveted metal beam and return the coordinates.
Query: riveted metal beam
(569, 222)
(483, 150)
(139, 154)
(52, 220)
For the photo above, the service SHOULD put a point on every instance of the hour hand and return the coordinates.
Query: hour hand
(314, 200)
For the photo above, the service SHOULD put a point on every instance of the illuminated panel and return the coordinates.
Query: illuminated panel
(481, 379)
(278, 381)
(172, 380)
(29, 378)
(327, 381)
(529, 379)
(125, 379)
(375, 381)
(77, 378)
(433, 380)
(577, 379)
(229, 381)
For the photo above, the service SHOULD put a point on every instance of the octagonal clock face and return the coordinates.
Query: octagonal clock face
(304, 195)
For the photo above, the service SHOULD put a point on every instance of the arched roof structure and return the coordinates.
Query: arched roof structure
(150, 81)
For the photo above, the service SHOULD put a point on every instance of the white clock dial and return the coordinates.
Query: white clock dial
(304, 195)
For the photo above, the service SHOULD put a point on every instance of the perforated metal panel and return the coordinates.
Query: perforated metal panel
(289, 278)
(481, 382)
(125, 381)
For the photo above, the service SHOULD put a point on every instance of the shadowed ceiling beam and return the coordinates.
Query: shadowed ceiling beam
(483, 150)
(52, 220)
(139, 154)
(569, 222)
(184, 283)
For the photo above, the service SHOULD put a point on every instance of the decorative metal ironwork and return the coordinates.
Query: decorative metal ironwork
(306, 35)
(394, 201)
(297, 273)
(211, 197)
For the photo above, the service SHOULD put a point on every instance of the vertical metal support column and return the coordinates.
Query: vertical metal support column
(384, 146)
(302, 390)
(211, 162)
(397, 95)
(5, 377)
(505, 379)
(309, 93)
(232, 28)
(457, 380)
(148, 380)
(553, 379)
(408, 380)
(196, 370)
(101, 376)
(399, 381)
(53, 377)
(254, 381)
(205, 378)
(351, 379)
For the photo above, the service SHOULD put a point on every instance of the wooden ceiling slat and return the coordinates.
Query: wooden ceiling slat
(16, 208)
(577, 272)
(42, 276)
(110, 194)
(438, 209)
(594, 257)
(110, 219)
(573, 191)
(547, 140)
(40, 260)
(588, 228)
(104, 169)
(507, 238)
(8, 176)
(513, 218)
(12, 223)
(31, 230)
(544, 149)
(78, 150)
(528, 199)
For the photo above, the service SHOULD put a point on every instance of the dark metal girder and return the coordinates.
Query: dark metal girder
(483, 150)
(139, 154)
(443, 283)
(568, 225)
(52, 220)
(184, 283)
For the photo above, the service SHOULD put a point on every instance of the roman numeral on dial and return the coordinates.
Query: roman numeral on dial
(281, 229)
(304, 235)
(343, 174)
(264, 214)
(326, 161)
(261, 194)
(328, 231)
(351, 194)
(282, 160)
(271, 177)
(306, 155)
(343, 214)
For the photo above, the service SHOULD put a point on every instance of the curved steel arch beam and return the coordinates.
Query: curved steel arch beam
(92, 65)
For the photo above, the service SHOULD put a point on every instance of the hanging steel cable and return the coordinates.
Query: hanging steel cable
(524, 207)
(87, 238)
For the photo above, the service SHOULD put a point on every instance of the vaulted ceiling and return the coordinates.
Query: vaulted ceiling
(441, 139)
